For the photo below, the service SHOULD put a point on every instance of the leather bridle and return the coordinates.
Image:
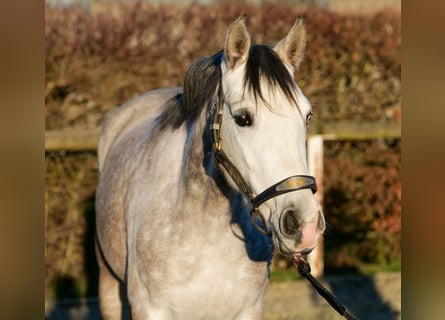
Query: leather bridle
(292, 183)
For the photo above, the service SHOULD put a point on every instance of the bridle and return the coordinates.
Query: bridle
(292, 183)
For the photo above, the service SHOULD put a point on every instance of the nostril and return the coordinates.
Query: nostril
(321, 224)
(290, 222)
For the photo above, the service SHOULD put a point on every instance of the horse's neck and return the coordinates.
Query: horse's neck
(209, 202)
(202, 183)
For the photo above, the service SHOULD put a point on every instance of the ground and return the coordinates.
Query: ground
(368, 298)
(375, 297)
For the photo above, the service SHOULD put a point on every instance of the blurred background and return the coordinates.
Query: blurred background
(99, 54)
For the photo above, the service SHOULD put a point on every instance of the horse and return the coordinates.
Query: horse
(198, 185)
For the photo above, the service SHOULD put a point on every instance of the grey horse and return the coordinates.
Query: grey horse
(198, 185)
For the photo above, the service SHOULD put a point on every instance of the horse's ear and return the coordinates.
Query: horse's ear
(237, 43)
(291, 47)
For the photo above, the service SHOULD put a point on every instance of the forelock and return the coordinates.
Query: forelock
(264, 63)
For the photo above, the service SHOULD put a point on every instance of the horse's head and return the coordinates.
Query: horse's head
(261, 134)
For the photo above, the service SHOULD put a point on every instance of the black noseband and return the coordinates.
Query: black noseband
(293, 183)
(290, 184)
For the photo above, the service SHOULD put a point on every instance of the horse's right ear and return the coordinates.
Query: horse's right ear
(237, 43)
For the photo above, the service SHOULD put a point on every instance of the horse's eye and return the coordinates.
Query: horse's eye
(308, 117)
(244, 119)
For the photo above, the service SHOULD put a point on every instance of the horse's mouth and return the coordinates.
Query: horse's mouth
(289, 248)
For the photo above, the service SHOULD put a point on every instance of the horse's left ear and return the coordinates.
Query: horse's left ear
(291, 47)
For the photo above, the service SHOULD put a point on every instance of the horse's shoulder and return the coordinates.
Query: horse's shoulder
(135, 112)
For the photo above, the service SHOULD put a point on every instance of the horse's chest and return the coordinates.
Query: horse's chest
(219, 293)
(201, 275)
(212, 286)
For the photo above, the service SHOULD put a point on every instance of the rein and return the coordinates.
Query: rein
(304, 269)
(293, 183)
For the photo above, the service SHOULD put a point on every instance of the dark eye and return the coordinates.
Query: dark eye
(308, 117)
(244, 119)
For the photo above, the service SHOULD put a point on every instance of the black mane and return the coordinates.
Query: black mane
(204, 74)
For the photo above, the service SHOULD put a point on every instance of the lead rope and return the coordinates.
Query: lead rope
(304, 269)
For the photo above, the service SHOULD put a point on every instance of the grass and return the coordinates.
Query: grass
(282, 275)
(371, 269)
(291, 274)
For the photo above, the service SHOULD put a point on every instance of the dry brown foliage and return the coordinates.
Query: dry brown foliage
(97, 60)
